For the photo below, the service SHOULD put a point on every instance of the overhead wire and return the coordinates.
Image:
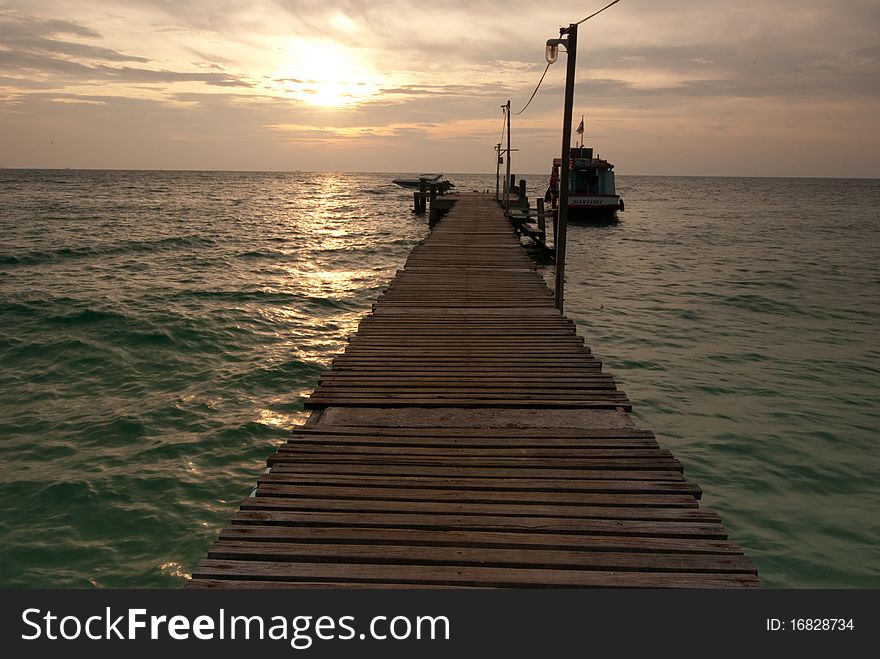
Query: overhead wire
(503, 123)
(597, 12)
(547, 68)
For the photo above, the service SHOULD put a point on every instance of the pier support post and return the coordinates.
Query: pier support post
(433, 213)
(419, 197)
(555, 213)
(523, 199)
(542, 222)
(498, 158)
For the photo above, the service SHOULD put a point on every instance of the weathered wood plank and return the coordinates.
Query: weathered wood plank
(443, 521)
(465, 575)
(542, 434)
(477, 482)
(477, 557)
(453, 471)
(269, 489)
(296, 447)
(302, 456)
(414, 537)
(509, 509)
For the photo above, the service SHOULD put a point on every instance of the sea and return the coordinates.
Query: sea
(159, 331)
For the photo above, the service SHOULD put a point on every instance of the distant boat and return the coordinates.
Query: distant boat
(416, 182)
(591, 194)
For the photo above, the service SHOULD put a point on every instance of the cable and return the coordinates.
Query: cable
(546, 68)
(503, 122)
(598, 12)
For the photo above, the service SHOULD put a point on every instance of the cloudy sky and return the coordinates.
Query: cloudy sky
(705, 87)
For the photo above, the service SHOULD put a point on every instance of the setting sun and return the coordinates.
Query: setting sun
(326, 73)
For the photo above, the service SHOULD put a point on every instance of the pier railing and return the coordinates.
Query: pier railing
(528, 221)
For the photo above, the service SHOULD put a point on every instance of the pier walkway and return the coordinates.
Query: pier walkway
(468, 438)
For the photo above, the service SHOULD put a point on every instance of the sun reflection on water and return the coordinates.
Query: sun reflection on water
(282, 420)
(332, 284)
(174, 569)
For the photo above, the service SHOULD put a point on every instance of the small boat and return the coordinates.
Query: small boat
(416, 182)
(591, 194)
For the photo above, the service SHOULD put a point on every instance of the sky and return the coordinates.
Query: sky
(679, 87)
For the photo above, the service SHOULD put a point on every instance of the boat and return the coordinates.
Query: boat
(429, 179)
(591, 194)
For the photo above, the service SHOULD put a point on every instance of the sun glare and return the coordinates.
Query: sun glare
(326, 74)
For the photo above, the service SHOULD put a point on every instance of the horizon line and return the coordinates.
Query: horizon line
(332, 171)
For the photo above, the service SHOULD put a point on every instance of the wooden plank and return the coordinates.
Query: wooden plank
(201, 583)
(380, 388)
(308, 490)
(507, 433)
(504, 509)
(325, 401)
(550, 445)
(477, 557)
(301, 456)
(295, 447)
(465, 575)
(477, 482)
(453, 471)
(414, 537)
(443, 521)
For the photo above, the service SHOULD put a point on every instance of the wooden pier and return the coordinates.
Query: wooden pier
(468, 438)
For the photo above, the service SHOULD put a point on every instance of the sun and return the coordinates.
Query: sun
(326, 74)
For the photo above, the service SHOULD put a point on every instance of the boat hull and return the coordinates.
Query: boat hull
(594, 207)
(417, 182)
(407, 183)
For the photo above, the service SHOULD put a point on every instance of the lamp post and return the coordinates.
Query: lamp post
(507, 165)
(564, 174)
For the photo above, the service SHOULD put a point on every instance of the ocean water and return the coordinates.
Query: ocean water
(159, 330)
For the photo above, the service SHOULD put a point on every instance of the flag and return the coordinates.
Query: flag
(581, 126)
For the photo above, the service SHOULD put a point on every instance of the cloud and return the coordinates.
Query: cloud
(131, 74)
(211, 58)
(30, 47)
(492, 89)
(67, 72)
(24, 83)
(33, 35)
(44, 27)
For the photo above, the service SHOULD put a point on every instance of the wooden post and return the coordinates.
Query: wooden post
(433, 213)
(497, 170)
(542, 223)
(564, 176)
(523, 199)
(555, 212)
(422, 192)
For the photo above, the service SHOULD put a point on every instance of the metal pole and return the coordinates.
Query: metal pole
(564, 175)
(507, 167)
(497, 170)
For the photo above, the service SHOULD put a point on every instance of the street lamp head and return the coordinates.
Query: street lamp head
(552, 52)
